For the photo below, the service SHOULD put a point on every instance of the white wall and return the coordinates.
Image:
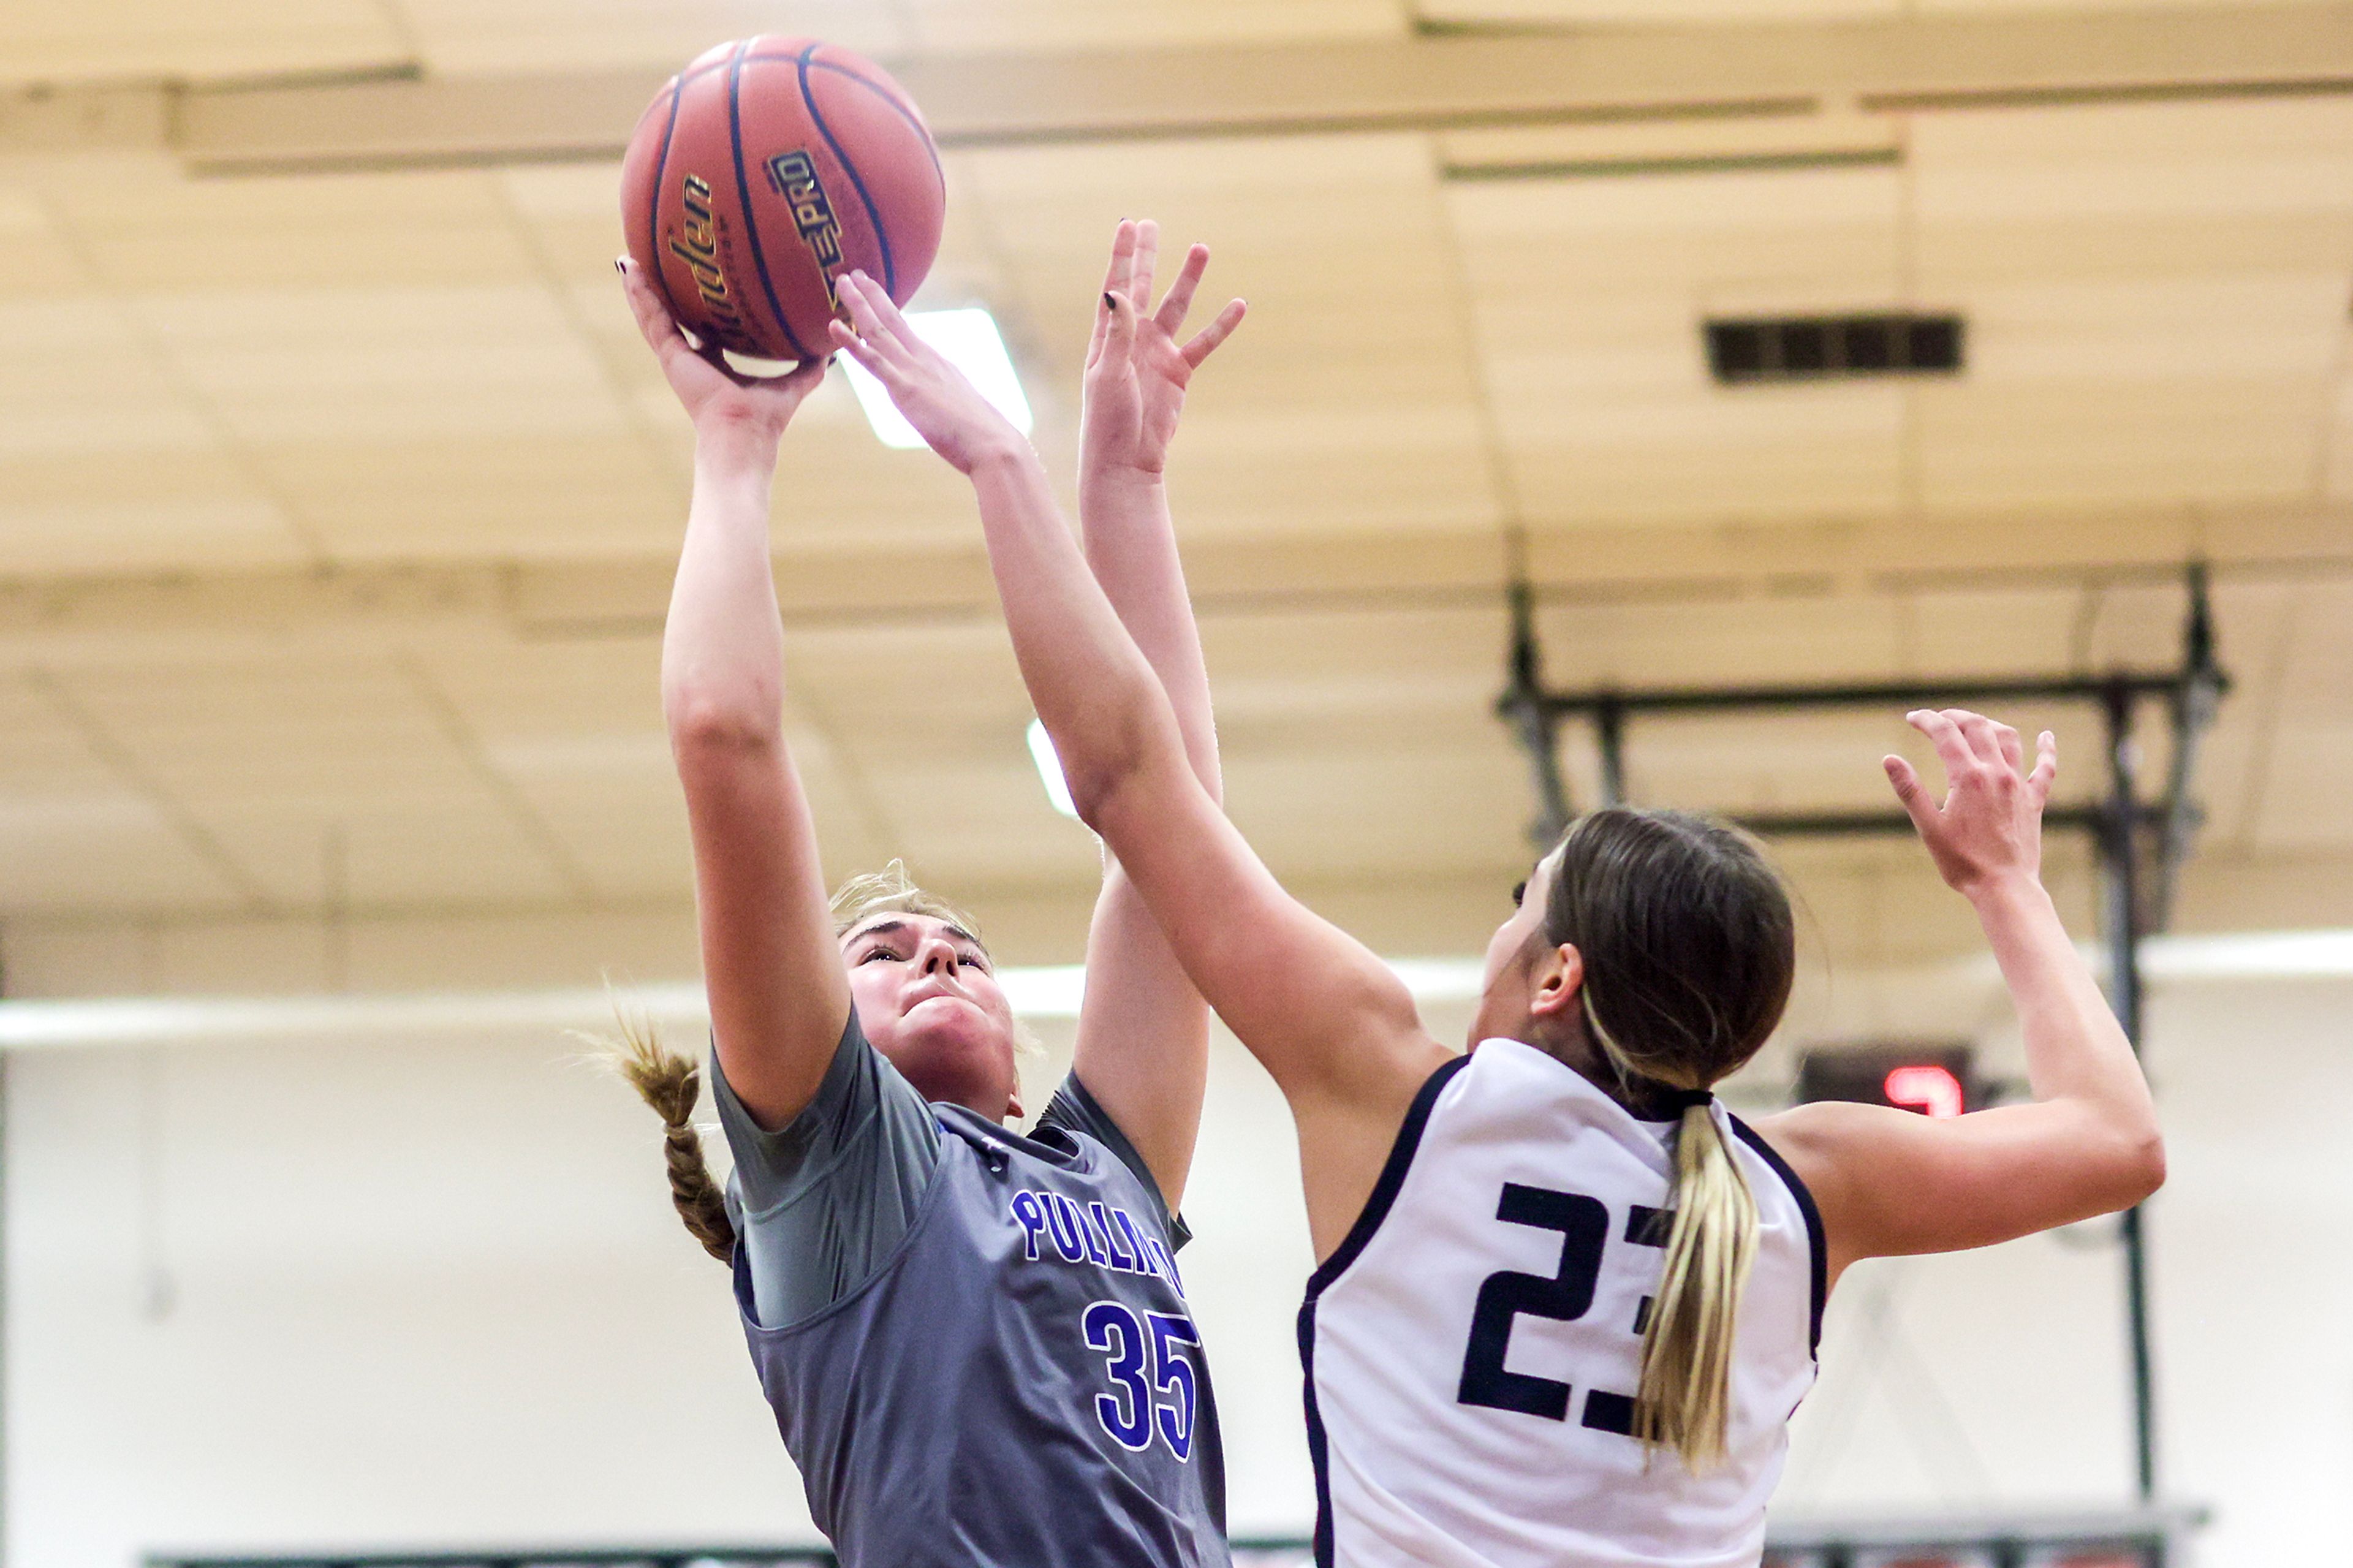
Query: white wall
(417, 1294)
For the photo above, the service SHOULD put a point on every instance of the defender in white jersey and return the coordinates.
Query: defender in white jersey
(1565, 1303)
(1479, 1336)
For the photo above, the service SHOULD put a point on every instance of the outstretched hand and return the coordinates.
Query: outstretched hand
(1990, 826)
(713, 394)
(1137, 370)
(930, 393)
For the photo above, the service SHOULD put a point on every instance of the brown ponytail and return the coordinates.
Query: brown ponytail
(672, 1084)
(1689, 952)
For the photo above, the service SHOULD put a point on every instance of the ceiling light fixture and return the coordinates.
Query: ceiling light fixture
(1050, 769)
(970, 340)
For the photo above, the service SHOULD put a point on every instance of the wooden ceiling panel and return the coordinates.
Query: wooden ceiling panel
(285, 236)
(2092, 442)
(108, 514)
(133, 38)
(1994, 631)
(599, 701)
(967, 822)
(458, 500)
(1582, 13)
(1384, 811)
(1799, 454)
(1072, 25)
(1692, 643)
(1589, 295)
(253, 732)
(1277, 215)
(388, 363)
(100, 851)
(483, 35)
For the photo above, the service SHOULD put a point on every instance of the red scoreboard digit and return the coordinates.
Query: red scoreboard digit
(1931, 1080)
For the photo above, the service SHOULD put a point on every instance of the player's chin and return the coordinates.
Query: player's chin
(964, 1057)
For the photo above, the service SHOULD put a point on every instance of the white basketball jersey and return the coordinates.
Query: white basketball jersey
(1473, 1346)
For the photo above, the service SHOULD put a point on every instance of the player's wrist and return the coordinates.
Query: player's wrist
(2007, 894)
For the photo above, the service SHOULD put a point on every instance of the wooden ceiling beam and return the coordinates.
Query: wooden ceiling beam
(1442, 81)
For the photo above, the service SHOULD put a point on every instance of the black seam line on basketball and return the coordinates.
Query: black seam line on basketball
(653, 211)
(1817, 1244)
(1391, 1180)
(899, 105)
(743, 202)
(904, 110)
(840, 157)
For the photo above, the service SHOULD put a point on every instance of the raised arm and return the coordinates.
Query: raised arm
(1329, 1020)
(779, 996)
(1143, 1035)
(1891, 1182)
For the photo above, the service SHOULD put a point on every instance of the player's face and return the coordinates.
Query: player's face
(927, 996)
(1504, 985)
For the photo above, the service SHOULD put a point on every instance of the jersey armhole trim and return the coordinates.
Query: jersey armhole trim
(1392, 1178)
(1813, 1216)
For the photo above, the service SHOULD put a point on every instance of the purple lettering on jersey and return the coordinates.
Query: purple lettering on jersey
(1121, 1258)
(1144, 1263)
(1030, 1215)
(1096, 1250)
(1166, 1265)
(1069, 1232)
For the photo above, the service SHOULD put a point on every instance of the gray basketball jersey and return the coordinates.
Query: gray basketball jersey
(1019, 1387)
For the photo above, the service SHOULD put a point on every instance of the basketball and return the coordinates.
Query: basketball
(765, 171)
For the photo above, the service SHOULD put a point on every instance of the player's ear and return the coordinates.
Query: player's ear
(1555, 980)
(1013, 1112)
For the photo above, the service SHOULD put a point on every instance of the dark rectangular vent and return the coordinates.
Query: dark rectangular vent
(1810, 348)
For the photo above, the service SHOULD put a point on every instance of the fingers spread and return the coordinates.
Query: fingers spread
(1119, 336)
(2012, 751)
(1171, 314)
(1909, 792)
(1978, 730)
(1205, 343)
(1952, 746)
(1147, 257)
(2046, 767)
(849, 343)
(1122, 258)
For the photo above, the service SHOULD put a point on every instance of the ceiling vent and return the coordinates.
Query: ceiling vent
(1814, 348)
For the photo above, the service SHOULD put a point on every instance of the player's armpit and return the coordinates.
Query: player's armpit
(1890, 1182)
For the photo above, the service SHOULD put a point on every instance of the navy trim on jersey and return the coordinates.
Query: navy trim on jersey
(1360, 1235)
(1814, 1243)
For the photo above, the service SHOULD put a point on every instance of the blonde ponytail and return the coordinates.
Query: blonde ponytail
(1685, 1400)
(672, 1084)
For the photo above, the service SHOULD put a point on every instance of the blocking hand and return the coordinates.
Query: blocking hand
(1989, 826)
(932, 396)
(1137, 370)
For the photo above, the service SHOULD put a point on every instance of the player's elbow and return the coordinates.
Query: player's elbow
(2131, 1165)
(2144, 1165)
(709, 720)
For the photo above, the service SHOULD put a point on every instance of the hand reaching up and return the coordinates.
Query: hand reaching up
(1137, 370)
(714, 395)
(932, 396)
(1989, 827)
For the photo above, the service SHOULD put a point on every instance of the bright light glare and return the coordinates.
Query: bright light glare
(1050, 769)
(970, 340)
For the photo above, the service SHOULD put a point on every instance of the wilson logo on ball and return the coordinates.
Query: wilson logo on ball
(696, 243)
(794, 179)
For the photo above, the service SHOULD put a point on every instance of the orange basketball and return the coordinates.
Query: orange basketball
(763, 172)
